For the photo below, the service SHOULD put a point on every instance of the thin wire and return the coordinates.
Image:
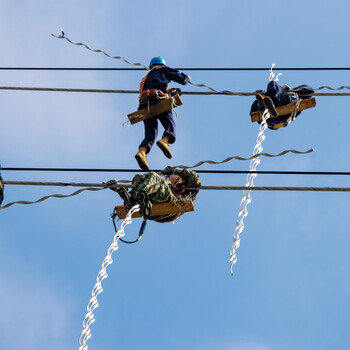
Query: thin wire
(262, 172)
(224, 188)
(205, 93)
(183, 69)
(98, 186)
(147, 68)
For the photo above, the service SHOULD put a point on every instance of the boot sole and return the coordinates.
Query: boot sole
(141, 163)
(269, 105)
(166, 152)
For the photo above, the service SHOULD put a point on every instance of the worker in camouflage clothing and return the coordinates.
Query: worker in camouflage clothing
(151, 188)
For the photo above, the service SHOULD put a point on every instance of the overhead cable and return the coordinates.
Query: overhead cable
(123, 183)
(121, 91)
(111, 170)
(178, 68)
(99, 186)
(147, 68)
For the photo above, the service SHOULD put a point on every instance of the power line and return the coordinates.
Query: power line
(225, 92)
(224, 188)
(182, 69)
(111, 170)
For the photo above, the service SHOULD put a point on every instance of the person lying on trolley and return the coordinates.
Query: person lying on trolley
(152, 188)
(277, 96)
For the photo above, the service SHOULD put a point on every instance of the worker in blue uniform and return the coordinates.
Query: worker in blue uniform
(277, 96)
(153, 89)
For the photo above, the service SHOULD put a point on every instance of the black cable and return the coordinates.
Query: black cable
(182, 69)
(262, 172)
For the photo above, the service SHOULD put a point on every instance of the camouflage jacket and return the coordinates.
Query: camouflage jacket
(154, 185)
(159, 189)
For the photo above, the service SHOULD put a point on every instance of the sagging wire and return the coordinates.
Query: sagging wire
(126, 182)
(98, 50)
(126, 61)
(242, 158)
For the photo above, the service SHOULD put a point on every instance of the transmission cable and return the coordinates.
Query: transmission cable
(177, 68)
(199, 93)
(125, 183)
(111, 170)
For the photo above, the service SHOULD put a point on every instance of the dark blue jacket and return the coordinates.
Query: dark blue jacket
(161, 76)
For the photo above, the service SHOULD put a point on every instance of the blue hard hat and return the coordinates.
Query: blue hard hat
(157, 60)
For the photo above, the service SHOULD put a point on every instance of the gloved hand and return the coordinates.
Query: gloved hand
(168, 170)
(112, 182)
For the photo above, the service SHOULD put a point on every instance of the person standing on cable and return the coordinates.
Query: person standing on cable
(153, 89)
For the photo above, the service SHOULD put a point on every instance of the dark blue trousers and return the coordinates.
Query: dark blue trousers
(151, 129)
(280, 98)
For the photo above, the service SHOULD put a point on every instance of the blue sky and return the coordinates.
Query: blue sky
(173, 289)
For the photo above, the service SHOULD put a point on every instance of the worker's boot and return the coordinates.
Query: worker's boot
(142, 160)
(164, 146)
(129, 200)
(145, 205)
(268, 103)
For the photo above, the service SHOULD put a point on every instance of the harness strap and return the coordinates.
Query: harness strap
(143, 80)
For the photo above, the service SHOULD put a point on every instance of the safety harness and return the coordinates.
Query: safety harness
(145, 95)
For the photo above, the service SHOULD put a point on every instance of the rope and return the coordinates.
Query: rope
(243, 211)
(199, 93)
(97, 289)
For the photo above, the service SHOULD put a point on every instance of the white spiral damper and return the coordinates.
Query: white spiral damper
(243, 211)
(97, 289)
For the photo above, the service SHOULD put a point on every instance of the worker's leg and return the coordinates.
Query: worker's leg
(304, 90)
(169, 135)
(151, 132)
(168, 123)
(279, 96)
